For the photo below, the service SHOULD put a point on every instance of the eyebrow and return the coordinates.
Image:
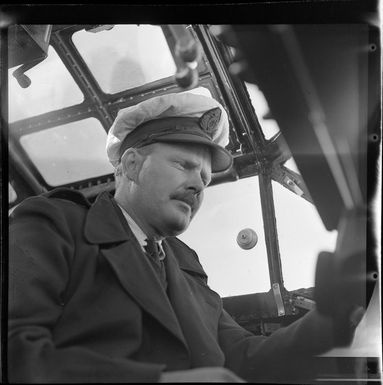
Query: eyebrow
(192, 164)
(188, 162)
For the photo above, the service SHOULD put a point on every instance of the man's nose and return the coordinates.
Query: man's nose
(195, 182)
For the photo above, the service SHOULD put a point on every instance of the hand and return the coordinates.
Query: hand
(209, 374)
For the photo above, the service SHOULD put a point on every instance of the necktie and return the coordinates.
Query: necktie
(156, 257)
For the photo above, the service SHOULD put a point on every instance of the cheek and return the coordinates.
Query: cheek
(151, 180)
(163, 181)
(155, 191)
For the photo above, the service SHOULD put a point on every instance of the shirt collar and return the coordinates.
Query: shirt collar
(136, 230)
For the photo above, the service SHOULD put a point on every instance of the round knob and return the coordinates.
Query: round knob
(247, 239)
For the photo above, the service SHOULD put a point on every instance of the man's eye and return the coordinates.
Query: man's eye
(180, 165)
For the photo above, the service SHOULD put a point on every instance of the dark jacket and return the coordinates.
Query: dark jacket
(85, 304)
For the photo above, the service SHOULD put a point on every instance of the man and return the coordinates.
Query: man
(107, 293)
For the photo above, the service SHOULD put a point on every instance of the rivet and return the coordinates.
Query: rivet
(372, 47)
(374, 137)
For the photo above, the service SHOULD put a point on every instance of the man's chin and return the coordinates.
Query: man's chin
(177, 230)
(175, 221)
(177, 227)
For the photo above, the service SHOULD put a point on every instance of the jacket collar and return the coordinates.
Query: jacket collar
(101, 225)
(186, 258)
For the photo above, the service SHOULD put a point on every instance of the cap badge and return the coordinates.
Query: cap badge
(209, 120)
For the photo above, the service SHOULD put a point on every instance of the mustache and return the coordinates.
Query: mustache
(188, 197)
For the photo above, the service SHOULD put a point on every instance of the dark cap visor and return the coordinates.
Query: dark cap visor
(178, 130)
(221, 159)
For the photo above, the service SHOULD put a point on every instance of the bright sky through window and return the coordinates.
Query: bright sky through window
(126, 56)
(72, 152)
(52, 88)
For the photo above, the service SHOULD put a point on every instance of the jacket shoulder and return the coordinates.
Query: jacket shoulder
(54, 203)
(68, 195)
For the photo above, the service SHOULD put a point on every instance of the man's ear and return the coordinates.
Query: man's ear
(131, 162)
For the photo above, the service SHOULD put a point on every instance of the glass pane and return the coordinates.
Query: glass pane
(269, 126)
(227, 209)
(126, 56)
(302, 236)
(200, 91)
(290, 164)
(52, 88)
(12, 196)
(70, 152)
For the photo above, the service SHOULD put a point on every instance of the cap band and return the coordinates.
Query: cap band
(147, 132)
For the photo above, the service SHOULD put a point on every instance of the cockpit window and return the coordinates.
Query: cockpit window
(268, 124)
(71, 152)
(125, 56)
(301, 236)
(236, 271)
(52, 88)
(290, 164)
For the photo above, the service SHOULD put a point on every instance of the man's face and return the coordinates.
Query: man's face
(169, 187)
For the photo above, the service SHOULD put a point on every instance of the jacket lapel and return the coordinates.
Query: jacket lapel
(196, 317)
(105, 225)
